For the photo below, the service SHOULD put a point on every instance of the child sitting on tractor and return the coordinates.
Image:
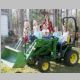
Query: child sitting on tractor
(57, 33)
(36, 30)
(65, 34)
(61, 36)
(45, 32)
(36, 33)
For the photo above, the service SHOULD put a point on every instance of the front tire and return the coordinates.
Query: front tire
(31, 63)
(43, 65)
(71, 58)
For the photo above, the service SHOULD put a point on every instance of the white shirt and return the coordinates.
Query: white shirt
(36, 28)
(36, 32)
(64, 36)
(45, 32)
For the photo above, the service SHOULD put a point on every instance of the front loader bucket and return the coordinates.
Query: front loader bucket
(13, 58)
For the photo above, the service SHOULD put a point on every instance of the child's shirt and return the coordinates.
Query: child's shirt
(37, 32)
(65, 35)
(26, 31)
(57, 34)
(62, 38)
(45, 32)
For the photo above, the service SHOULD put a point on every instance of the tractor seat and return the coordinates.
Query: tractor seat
(68, 39)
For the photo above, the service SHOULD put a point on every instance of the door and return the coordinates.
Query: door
(4, 25)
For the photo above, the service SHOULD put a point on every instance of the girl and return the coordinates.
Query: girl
(45, 31)
(26, 31)
(36, 30)
(48, 24)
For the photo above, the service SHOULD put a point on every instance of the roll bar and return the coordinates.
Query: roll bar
(76, 28)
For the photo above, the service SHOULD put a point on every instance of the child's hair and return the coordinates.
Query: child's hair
(65, 27)
(46, 15)
(44, 26)
(26, 22)
(34, 21)
(56, 28)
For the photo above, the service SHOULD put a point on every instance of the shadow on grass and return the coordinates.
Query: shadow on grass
(56, 67)
(61, 68)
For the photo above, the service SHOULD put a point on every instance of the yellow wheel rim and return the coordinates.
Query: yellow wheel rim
(73, 58)
(45, 66)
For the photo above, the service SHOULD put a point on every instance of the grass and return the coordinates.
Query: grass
(60, 68)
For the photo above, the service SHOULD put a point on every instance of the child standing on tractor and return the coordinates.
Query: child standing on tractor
(26, 31)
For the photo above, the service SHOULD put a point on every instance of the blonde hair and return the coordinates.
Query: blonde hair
(34, 21)
(56, 28)
(26, 24)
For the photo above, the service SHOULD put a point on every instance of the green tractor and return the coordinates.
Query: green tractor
(40, 52)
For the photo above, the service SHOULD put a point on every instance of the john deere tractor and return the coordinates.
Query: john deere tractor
(41, 51)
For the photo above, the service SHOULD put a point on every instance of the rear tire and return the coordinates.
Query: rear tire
(71, 58)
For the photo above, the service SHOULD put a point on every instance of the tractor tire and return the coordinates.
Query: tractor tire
(71, 58)
(43, 65)
(58, 60)
(31, 63)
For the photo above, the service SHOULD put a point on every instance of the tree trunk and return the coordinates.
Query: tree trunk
(76, 15)
(60, 19)
(21, 23)
(66, 16)
(55, 17)
(0, 31)
(27, 11)
(10, 19)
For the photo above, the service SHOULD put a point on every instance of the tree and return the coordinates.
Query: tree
(56, 22)
(78, 19)
(66, 16)
(21, 23)
(36, 14)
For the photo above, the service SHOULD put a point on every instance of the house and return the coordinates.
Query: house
(6, 25)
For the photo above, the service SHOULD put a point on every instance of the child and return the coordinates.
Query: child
(62, 37)
(65, 34)
(57, 33)
(45, 32)
(26, 31)
(36, 30)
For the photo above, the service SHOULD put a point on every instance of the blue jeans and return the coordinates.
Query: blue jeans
(60, 46)
(32, 38)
